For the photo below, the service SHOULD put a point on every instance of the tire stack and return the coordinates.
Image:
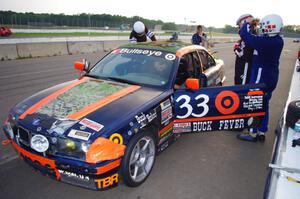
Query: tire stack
(293, 113)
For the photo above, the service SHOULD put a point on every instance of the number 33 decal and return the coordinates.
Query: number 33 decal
(186, 104)
(226, 102)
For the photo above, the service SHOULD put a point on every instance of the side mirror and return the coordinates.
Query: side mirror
(192, 83)
(83, 65)
(78, 65)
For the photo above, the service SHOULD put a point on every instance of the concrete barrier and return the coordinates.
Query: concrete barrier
(110, 45)
(8, 51)
(42, 49)
(78, 47)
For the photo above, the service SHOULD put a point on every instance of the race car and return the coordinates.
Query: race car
(5, 32)
(111, 123)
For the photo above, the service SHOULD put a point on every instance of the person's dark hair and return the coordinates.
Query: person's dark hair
(199, 26)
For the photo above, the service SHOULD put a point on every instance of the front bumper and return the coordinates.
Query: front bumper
(100, 176)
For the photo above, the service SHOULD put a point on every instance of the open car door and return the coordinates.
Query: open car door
(218, 108)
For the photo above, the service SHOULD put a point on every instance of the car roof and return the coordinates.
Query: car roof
(176, 47)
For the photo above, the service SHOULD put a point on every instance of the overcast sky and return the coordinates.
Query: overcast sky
(209, 12)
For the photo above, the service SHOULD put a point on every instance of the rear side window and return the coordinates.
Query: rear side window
(207, 60)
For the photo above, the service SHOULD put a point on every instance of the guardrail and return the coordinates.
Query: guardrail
(18, 48)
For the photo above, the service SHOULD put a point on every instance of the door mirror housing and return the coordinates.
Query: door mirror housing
(192, 83)
(78, 65)
(83, 65)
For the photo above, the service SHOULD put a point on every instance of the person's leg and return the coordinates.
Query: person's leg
(263, 128)
(238, 71)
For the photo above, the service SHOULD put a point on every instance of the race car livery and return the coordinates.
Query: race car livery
(113, 121)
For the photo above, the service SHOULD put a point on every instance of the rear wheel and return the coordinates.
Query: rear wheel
(139, 159)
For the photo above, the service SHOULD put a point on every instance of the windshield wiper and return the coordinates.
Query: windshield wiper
(92, 76)
(122, 80)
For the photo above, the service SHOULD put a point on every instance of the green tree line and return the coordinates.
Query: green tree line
(79, 20)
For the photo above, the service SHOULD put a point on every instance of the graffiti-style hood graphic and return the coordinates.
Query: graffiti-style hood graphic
(100, 103)
(80, 98)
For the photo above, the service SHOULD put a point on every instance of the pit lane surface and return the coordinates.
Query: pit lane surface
(206, 165)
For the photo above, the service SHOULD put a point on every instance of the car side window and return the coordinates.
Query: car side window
(185, 70)
(206, 59)
(197, 64)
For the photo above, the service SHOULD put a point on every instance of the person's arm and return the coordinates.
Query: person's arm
(132, 38)
(150, 35)
(250, 39)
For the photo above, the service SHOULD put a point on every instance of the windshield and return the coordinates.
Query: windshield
(140, 66)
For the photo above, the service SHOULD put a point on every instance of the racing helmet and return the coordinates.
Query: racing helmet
(243, 19)
(139, 27)
(271, 24)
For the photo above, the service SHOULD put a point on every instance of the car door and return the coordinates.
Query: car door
(211, 68)
(218, 108)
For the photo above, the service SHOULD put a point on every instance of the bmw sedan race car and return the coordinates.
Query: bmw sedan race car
(113, 121)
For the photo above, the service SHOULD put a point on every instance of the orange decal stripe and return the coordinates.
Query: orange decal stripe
(42, 160)
(109, 166)
(166, 128)
(221, 117)
(92, 107)
(251, 93)
(52, 96)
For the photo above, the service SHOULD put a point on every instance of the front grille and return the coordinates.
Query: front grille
(24, 136)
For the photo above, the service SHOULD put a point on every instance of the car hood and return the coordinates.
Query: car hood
(103, 104)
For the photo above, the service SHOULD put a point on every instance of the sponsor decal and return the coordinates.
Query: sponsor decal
(82, 135)
(164, 146)
(91, 124)
(165, 104)
(166, 111)
(36, 122)
(108, 181)
(144, 119)
(139, 52)
(170, 56)
(254, 102)
(116, 138)
(202, 126)
(151, 115)
(166, 115)
(218, 125)
(182, 127)
(74, 175)
(231, 124)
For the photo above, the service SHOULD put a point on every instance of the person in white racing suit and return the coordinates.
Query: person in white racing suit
(140, 33)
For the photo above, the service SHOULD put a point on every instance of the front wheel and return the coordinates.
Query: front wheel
(139, 159)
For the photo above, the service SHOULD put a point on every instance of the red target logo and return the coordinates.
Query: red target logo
(227, 102)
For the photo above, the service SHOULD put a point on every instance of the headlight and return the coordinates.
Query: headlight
(69, 147)
(39, 143)
(10, 126)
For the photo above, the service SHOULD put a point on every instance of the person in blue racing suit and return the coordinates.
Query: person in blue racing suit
(265, 65)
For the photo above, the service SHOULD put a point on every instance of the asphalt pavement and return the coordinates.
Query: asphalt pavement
(204, 166)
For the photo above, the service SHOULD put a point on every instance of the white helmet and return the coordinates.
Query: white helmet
(243, 19)
(271, 24)
(139, 27)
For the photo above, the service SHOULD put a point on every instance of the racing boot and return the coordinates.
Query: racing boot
(247, 136)
(261, 136)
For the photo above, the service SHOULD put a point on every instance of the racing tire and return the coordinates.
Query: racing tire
(138, 162)
(293, 113)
